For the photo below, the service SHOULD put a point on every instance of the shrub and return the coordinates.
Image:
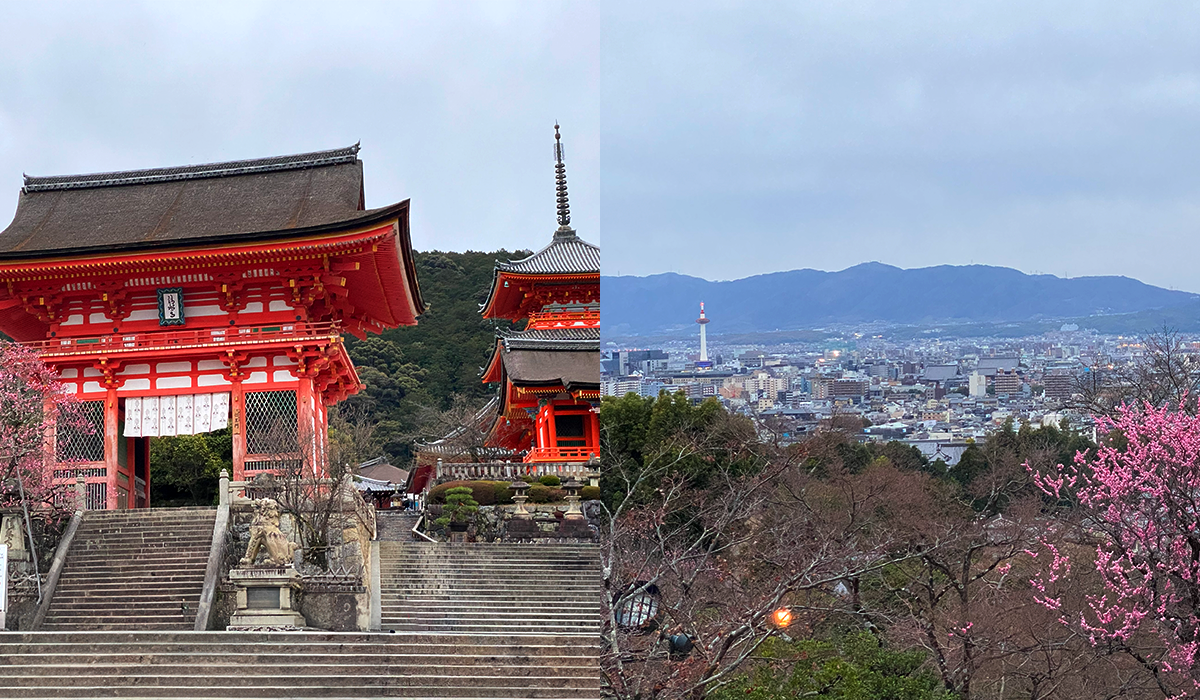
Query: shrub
(557, 495)
(589, 493)
(484, 492)
(539, 493)
(502, 493)
(549, 480)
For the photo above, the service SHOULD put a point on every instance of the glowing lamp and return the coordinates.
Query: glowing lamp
(782, 617)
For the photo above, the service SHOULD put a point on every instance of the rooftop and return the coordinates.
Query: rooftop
(566, 254)
(281, 196)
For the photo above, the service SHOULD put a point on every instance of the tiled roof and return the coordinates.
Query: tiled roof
(299, 161)
(551, 367)
(566, 254)
(164, 207)
(547, 339)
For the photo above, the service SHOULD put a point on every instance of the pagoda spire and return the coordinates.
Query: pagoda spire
(560, 179)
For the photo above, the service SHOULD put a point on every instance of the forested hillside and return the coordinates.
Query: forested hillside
(421, 368)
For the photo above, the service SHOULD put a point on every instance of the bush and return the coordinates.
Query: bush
(549, 480)
(501, 492)
(589, 493)
(558, 495)
(484, 492)
(539, 493)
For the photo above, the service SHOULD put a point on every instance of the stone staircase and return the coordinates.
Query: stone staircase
(181, 665)
(491, 588)
(395, 525)
(133, 570)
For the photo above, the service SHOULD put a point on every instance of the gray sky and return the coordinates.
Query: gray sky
(454, 103)
(723, 139)
(1055, 137)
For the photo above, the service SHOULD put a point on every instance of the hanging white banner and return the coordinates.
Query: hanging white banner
(133, 417)
(185, 414)
(220, 411)
(202, 409)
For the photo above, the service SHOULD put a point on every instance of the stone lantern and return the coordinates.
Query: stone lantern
(572, 488)
(519, 488)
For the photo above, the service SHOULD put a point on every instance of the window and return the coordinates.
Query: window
(84, 442)
(271, 427)
(570, 430)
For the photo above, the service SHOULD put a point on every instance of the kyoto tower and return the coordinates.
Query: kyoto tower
(703, 321)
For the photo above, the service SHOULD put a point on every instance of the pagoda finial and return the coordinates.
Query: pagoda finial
(560, 179)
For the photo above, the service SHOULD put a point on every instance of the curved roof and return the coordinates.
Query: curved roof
(162, 207)
(552, 338)
(566, 254)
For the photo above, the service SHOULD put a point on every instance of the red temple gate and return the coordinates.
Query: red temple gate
(181, 300)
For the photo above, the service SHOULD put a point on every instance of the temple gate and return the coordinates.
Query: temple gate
(175, 301)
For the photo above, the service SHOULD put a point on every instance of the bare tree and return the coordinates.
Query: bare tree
(751, 553)
(1165, 374)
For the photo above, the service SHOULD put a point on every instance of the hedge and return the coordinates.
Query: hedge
(549, 480)
(589, 493)
(485, 493)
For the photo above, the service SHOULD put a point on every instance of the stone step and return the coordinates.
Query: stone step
(512, 604)
(298, 642)
(166, 563)
(139, 582)
(184, 677)
(104, 587)
(337, 689)
(137, 608)
(285, 667)
(399, 626)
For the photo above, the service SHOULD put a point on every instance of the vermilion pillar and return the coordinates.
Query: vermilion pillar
(111, 467)
(237, 428)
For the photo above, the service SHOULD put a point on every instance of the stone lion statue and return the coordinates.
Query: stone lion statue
(264, 531)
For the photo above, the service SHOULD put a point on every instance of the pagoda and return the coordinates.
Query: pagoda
(177, 301)
(548, 372)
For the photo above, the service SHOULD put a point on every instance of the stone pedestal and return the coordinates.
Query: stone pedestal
(266, 597)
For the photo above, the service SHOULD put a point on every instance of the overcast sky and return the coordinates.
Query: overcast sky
(719, 140)
(454, 103)
(1057, 137)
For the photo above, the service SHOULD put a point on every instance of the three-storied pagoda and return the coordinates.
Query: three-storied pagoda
(182, 300)
(548, 372)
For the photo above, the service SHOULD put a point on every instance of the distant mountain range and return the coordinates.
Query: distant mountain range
(872, 292)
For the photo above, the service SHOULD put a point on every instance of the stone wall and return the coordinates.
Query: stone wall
(490, 523)
(335, 597)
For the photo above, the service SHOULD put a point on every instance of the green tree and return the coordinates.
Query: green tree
(410, 370)
(854, 667)
(184, 469)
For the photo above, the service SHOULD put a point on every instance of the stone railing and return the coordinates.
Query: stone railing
(586, 472)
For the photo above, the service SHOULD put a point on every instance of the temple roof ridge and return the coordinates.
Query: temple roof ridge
(551, 338)
(297, 161)
(565, 255)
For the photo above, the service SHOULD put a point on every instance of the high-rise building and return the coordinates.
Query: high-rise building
(1007, 382)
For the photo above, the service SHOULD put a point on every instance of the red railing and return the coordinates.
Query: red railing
(560, 454)
(543, 320)
(180, 339)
